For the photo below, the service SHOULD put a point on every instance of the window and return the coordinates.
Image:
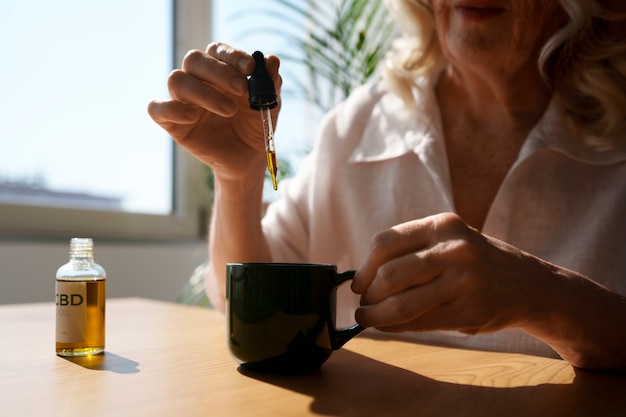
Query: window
(78, 152)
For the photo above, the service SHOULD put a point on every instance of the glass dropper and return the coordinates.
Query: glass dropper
(262, 97)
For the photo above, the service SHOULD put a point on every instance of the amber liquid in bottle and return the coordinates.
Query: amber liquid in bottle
(80, 303)
(84, 317)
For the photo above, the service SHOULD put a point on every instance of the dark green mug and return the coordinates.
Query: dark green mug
(280, 316)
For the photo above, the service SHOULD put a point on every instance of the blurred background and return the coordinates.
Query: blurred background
(80, 157)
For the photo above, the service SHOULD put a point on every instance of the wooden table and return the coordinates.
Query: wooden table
(166, 359)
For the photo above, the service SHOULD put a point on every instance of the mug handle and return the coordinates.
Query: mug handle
(340, 337)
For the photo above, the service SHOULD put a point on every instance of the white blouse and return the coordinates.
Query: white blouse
(377, 164)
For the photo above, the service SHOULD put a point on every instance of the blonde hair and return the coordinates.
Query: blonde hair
(585, 61)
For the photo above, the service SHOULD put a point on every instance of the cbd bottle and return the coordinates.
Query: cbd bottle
(80, 302)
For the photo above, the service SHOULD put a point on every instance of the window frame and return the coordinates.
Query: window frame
(188, 220)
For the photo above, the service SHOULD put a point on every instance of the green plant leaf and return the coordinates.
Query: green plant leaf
(341, 47)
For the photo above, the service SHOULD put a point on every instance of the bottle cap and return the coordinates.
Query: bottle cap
(261, 91)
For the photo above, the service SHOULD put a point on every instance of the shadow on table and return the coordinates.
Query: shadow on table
(106, 361)
(354, 385)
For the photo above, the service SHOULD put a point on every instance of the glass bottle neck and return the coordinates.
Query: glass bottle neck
(81, 250)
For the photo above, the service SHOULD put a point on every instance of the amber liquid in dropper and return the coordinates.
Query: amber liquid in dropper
(270, 153)
(272, 167)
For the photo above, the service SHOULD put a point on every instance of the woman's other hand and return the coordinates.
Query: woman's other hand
(438, 273)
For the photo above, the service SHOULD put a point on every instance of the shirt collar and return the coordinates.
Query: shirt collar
(554, 132)
(393, 130)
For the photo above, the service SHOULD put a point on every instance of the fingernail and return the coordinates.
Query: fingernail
(358, 316)
(243, 65)
(238, 83)
(228, 106)
(190, 114)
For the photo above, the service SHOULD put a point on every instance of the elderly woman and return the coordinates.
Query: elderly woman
(479, 187)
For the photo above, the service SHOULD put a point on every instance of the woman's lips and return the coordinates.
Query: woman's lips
(479, 9)
(472, 12)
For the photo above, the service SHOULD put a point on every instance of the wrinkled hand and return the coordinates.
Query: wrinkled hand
(438, 273)
(209, 114)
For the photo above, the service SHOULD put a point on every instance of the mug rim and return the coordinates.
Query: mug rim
(283, 264)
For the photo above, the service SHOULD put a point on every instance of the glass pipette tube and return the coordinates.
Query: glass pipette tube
(270, 152)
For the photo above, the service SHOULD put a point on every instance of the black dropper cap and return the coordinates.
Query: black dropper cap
(261, 91)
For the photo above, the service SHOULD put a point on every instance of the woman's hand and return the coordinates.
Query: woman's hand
(209, 113)
(438, 273)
